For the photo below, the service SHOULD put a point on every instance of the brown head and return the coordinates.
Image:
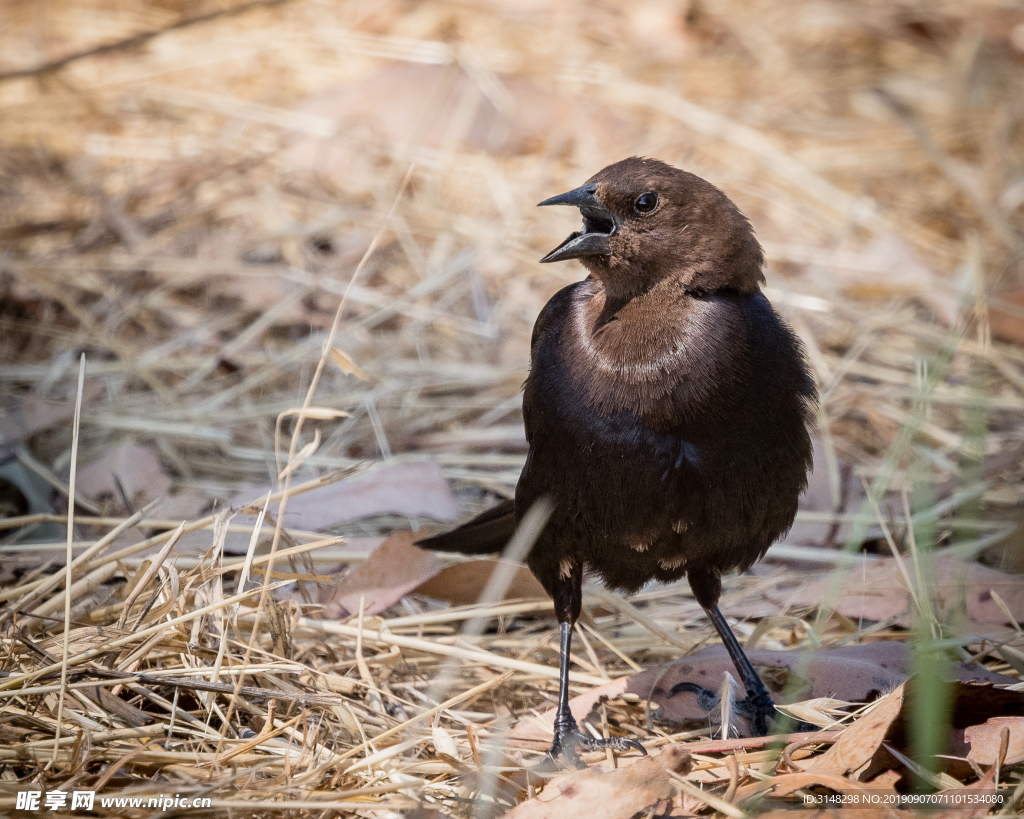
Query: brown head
(645, 221)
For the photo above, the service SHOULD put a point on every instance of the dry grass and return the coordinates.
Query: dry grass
(205, 213)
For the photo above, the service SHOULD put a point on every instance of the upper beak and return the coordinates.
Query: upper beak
(599, 225)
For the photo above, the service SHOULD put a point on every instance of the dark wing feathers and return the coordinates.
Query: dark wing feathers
(485, 534)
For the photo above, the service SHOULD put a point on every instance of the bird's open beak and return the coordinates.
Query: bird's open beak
(599, 226)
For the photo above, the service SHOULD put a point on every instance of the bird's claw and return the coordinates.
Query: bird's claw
(707, 700)
(570, 742)
(757, 709)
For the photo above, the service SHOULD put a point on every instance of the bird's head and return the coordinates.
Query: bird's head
(645, 221)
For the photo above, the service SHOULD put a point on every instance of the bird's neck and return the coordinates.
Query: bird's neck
(635, 334)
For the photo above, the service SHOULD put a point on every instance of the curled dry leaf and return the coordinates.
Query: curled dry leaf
(394, 569)
(346, 364)
(984, 740)
(859, 743)
(617, 794)
(301, 456)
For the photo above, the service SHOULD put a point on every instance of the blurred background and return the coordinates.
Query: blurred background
(188, 186)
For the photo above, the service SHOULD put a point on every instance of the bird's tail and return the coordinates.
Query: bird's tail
(485, 534)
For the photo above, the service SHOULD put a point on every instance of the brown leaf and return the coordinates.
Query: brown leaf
(413, 489)
(878, 592)
(851, 673)
(984, 740)
(859, 743)
(975, 703)
(615, 794)
(136, 467)
(394, 569)
(463, 583)
(985, 785)
(19, 423)
(347, 365)
(786, 784)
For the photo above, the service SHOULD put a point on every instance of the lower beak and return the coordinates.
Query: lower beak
(599, 225)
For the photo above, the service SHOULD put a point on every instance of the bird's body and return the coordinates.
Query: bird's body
(667, 405)
(661, 460)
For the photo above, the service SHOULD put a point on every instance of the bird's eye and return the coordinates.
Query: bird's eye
(646, 203)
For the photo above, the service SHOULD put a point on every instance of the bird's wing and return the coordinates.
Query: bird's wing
(551, 317)
(553, 313)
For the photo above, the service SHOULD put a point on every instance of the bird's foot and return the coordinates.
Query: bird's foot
(757, 709)
(570, 742)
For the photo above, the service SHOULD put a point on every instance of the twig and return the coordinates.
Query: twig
(70, 559)
(134, 41)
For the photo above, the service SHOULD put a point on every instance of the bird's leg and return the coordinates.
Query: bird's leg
(569, 740)
(758, 706)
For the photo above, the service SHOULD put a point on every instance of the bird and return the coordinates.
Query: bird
(668, 411)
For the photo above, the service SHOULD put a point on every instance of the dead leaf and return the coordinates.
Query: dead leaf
(859, 743)
(876, 592)
(397, 568)
(347, 365)
(301, 456)
(984, 740)
(394, 569)
(463, 583)
(412, 489)
(136, 467)
(31, 415)
(972, 705)
(786, 784)
(853, 673)
(975, 703)
(821, 496)
(615, 794)
(985, 785)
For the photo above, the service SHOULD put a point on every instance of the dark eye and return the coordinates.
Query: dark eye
(646, 203)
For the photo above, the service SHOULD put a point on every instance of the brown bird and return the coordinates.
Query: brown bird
(667, 412)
